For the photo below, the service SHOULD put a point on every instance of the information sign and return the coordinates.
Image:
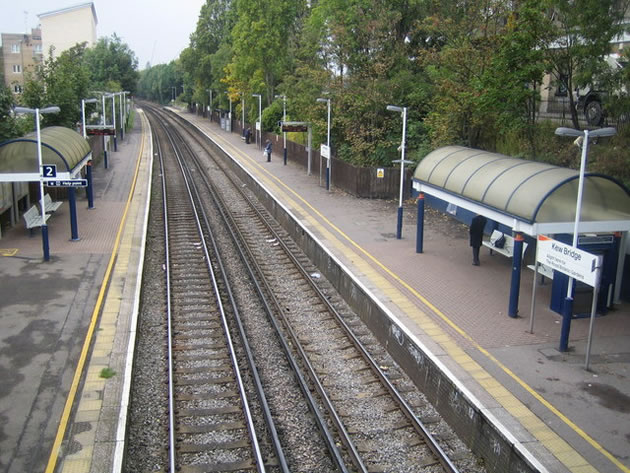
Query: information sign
(576, 263)
(67, 183)
(324, 151)
(49, 171)
(294, 128)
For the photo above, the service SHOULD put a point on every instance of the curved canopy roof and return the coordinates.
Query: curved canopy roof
(529, 191)
(61, 146)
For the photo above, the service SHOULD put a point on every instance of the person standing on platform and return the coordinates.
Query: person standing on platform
(476, 236)
(268, 150)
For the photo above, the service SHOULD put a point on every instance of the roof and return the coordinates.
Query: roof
(528, 191)
(71, 8)
(61, 146)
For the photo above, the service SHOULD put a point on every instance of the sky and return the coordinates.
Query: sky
(155, 30)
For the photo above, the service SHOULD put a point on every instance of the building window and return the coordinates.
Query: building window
(17, 68)
(17, 89)
(37, 48)
(15, 48)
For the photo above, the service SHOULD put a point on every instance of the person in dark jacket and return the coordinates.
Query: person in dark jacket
(268, 150)
(248, 134)
(476, 236)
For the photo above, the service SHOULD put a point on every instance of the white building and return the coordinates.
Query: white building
(65, 27)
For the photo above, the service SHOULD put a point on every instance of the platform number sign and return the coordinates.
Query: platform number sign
(49, 171)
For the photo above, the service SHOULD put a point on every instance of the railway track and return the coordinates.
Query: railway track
(358, 412)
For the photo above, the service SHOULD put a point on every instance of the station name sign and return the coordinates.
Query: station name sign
(578, 264)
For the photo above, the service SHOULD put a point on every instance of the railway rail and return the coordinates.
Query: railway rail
(336, 399)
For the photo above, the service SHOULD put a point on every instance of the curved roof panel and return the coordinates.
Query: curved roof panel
(61, 146)
(528, 190)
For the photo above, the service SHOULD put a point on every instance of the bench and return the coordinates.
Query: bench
(508, 247)
(51, 206)
(33, 218)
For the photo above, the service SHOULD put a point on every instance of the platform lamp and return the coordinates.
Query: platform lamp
(210, 104)
(89, 165)
(83, 102)
(259, 123)
(327, 101)
(585, 135)
(42, 204)
(284, 119)
(403, 110)
(230, 115)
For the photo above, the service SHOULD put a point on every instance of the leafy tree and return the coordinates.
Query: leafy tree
(112, 60)
(61, 81)
(582, 31)
(8, 125)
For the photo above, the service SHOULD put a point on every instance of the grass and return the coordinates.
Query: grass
(107, 373)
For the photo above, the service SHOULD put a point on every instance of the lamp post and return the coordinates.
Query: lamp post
(243, 113)
(125, 93)
(90, 195)
(403, 110)
(121, 96)
(42, 204)
(230, 114)
(568, 302)
(284, 119)
(210, 104)
(327, 101)
(83, 102)
(259, 122)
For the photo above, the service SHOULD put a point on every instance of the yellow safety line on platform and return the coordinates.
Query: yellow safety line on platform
(560, 448)
(8, 251)
(65, 416)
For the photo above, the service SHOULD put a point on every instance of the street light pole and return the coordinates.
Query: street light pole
(568, 302)
(210, 104)
(402, 161)
(259, 122)
(83, 102)
(284, 119)
(42, 203)
(230, 115)
(327, 101)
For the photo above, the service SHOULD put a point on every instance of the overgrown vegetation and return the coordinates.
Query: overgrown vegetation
(469, 72)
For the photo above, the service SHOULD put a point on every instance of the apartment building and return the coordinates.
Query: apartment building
(21, 52)
(65, 27)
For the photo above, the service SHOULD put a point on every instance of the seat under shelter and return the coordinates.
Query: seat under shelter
(529, 198)
(64, 153)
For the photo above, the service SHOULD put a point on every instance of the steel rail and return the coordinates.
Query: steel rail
(260, 466)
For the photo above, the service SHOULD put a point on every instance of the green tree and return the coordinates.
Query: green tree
(112, 60)
(61, 81)
(582, 31)
(8, 125)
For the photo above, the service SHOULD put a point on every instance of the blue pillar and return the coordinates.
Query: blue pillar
(45, 246)
(327, 178)
(515, 285)
(89, 188)
(567, 315)
(115, 143)
(399, 223)
(72, 203)
(285, 156)
(420, 224)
